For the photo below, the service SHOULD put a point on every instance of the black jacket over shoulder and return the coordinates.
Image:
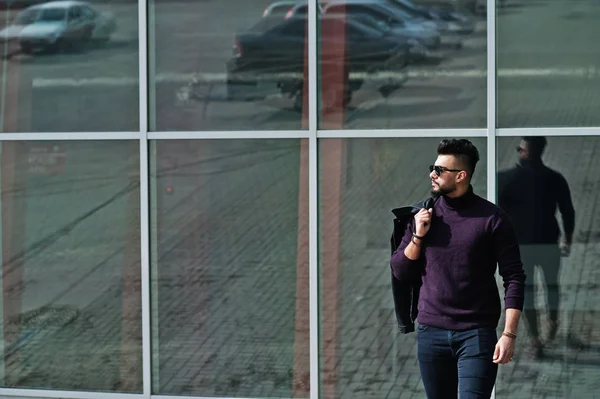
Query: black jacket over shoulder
(406, 294)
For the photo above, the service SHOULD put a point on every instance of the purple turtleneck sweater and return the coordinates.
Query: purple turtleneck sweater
(468, 237)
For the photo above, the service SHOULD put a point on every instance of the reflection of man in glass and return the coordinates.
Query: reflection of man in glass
(455, 249)
(530, 193)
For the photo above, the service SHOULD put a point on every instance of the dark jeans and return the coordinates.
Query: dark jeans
(457, 361)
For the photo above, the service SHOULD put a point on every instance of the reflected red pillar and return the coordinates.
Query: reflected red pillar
(305, 90)
(330, 209)
(301, 388)
(13, 251)
(16, 112)
(334, 79)
(301, 378)
(189, 261)
(130, 379)
(334, 74)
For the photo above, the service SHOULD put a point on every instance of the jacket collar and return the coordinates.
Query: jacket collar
(414, 208)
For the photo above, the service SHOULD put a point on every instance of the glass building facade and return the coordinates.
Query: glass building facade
(195, 196)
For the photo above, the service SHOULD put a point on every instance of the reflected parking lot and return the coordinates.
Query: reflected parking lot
(376, 58)
(206, 74)
(189, 72)
(67, 64)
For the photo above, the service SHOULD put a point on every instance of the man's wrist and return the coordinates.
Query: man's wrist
(416, 241)
(420, 237)
(509, 334)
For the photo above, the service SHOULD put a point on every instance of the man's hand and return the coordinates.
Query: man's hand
(423, 222)
(505, 349)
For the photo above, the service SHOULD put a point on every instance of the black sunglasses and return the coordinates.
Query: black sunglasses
(440, 169)
(520, 149)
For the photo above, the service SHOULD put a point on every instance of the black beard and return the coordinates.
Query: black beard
(439, 192)
(436, 193)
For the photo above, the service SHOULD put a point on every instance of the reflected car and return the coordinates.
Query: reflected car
(288, 8)
(381, 10)
(447, 22)
(272, 56)
(55, 25)
(423, 41)
(454, 6)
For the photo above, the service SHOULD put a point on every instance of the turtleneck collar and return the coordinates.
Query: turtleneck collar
(459, 202)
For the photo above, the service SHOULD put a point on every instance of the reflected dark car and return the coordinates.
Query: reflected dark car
(287, 8)
(381, 10)
(447, 22)
(421, 38)
(423, 41)
(453, 6)
(273, 53)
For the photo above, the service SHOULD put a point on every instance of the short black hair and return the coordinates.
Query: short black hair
(463, 149)
(536, 145)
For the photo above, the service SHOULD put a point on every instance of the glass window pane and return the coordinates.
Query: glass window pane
(230, 268)
(361, 181)
(66, 67)
(397, 64)
(553, 203)
(71, 301)
(232, 65)
(547, 70)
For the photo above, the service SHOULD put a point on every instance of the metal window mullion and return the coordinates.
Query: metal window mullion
(313, 201)
(550, 131)
(69, 136)
(47, 393)
(312, 67)
(206, 397)
(144, 197)
(143, 64)
(491, 108)
(145, 267)
(313, 268)
(491, 100)
(398, 133)
(229, 134)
